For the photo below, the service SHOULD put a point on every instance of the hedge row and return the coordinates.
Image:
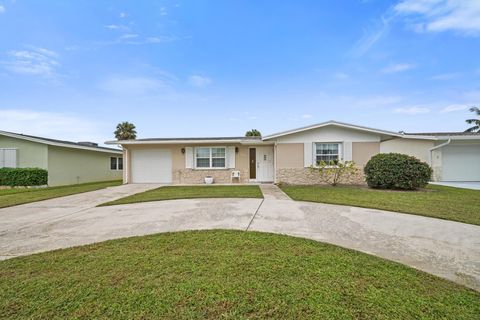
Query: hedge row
(23, 177)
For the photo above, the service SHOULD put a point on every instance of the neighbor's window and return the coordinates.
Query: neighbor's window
(210, 157)
(116, 163)
(327, 152)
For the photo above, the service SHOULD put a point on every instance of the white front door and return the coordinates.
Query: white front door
(264, 164)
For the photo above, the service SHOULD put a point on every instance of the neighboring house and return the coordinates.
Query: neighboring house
(67, 162)
(287, 156)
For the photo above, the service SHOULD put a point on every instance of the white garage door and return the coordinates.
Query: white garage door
(152, 166)
(461, 163)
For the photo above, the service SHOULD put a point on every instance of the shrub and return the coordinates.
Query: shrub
(23, 177)
(335, 172)
(397, 171)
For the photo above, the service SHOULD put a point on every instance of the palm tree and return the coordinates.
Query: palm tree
(253, 133)
(475, 122)
(125, 131)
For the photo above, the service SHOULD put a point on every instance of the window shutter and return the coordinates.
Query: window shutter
(347, 151)
(308, 154)
(2, 158)
(189, 158)
(10, 158)
(231, 157)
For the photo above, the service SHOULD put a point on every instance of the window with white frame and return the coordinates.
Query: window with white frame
(116, 163)
(210, 157)
(327, 152)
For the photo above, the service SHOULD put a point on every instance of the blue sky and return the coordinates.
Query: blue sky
(74, 69)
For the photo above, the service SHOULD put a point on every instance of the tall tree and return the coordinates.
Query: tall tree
(253, 133)
(475, 122)
(125, 131)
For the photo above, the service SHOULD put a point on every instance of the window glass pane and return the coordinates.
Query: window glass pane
(120, 163)
(203, 162)
(327, 152)
(203, 152)
(218, 163)
(113, 163)
(218, 152)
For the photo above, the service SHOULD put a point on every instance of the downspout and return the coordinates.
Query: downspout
(434, 148)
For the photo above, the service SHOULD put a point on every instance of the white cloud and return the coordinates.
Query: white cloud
(52, 125)
(163, 11)
(2, 9)
(306, 116)
(396, 68)
(341, 76)
(199, 81)
(454, 107)
(125, 85)
(117, 27)
(371, 37)
(412, 110)
(36, 61)
(445, 76)
(442, 15)
(123, 15)
(129, 36)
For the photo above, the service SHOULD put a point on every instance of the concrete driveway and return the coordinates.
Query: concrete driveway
(447, 249)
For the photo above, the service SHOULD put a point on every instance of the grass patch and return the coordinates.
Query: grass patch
(191, 192)
(13, 197)
(223, 274)
(448, 203)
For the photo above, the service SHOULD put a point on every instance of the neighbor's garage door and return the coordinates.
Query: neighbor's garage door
(461, 163)
(152, 166)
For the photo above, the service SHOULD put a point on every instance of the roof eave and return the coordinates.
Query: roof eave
(58, 144)
(335, 123)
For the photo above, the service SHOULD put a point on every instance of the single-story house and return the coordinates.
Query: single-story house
(67, 162)
(287, 156)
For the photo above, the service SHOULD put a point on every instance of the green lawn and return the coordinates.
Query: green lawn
(223, 274)
(435, 201)
(191, 192)
(13, 197)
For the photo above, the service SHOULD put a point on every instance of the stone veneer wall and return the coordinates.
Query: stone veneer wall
(192, 176)
(307, 176)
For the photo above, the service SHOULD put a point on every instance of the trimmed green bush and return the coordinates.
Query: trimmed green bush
(23, 177)
(397, 171)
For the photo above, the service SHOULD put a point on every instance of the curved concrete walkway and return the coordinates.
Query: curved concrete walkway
(447, 249)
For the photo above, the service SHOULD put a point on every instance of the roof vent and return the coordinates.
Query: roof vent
(88, 143)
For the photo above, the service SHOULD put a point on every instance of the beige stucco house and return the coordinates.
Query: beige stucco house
(287, 156)
(67, 162)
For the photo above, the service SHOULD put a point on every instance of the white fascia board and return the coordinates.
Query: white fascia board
(334, 123)
(136, 142)
(57, 144)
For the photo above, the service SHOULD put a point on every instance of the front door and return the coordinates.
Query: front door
(264, 157)
(253, 163)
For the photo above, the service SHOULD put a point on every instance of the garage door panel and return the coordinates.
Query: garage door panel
(461, 163)
(152, 166)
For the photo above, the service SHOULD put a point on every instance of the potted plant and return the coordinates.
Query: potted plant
(208, 180)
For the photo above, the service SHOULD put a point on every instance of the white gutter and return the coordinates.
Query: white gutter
(436, 147)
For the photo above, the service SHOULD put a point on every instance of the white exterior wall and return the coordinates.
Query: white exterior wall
(345, 136)
(413, 147)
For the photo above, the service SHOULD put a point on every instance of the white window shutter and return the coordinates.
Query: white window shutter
(10, 158)
(189, 157)
(347, 151)
(231, 157)
(308, 153)
(2, 158)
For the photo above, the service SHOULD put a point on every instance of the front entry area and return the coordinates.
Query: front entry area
(261, 164)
